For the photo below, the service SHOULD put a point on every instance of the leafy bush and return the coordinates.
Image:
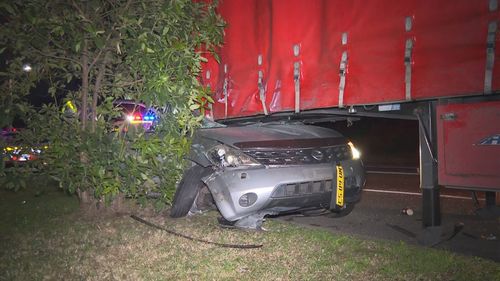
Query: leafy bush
(95, 52)
(107, 163)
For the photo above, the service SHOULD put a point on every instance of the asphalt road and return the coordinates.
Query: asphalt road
(379, 216)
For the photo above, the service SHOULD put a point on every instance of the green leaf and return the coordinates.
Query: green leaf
(194, 106)
(52, 90)
(89, 28)
(99, 42)
(69, 77)
(209, 99)
(118, 50)
(8, 8)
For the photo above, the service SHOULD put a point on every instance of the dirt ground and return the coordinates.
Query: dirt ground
(379, 216)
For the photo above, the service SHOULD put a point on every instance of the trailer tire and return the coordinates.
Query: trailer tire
(187, 191)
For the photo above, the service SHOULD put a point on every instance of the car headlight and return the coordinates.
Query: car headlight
(225, 156)
(356, 154)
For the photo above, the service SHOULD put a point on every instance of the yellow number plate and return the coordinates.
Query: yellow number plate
(340, 186)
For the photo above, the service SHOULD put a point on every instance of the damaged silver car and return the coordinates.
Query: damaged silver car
(262, 169)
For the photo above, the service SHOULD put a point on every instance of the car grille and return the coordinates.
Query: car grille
(303, 188)
(309, 188)
(300, 156)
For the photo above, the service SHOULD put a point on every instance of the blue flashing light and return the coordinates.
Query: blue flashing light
(149, 118)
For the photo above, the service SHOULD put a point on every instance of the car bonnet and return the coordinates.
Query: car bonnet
(266, 135)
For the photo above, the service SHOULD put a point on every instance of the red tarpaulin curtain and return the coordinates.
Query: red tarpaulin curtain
(289, 39)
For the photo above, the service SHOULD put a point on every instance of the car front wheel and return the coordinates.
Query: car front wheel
(187, 191)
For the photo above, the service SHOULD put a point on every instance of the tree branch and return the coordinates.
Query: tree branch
(94, 61)
(44, 54)
(96, 58)
(82, 14)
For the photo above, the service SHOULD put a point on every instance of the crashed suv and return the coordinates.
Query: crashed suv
(263, 169)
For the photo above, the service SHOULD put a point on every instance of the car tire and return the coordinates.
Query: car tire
(338, 213)
(187, 191)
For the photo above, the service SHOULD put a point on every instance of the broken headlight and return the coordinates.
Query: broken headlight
(224, 156)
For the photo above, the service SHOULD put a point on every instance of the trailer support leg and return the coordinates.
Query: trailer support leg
(490, 199)
(431, 209)
(491, 209)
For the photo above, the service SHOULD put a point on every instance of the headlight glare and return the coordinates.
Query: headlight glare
(356, 154)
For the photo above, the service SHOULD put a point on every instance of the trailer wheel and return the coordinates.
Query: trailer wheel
(338, 213)
(187, 191)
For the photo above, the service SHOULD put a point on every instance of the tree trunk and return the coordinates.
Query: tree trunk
(88, 203)
(85, 84)
(97, 88)
(94, 207)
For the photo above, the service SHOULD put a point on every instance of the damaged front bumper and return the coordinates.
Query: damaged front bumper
(256, 192)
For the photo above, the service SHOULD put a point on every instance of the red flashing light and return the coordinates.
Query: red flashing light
(137, 117)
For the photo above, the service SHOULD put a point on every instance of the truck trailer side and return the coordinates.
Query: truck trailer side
(433, 61)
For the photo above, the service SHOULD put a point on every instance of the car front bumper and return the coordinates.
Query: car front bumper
(281, 189)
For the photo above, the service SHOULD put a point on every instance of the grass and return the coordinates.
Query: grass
(44, 237)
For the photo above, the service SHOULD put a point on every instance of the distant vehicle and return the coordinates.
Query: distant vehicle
(134, 113)
(268, 169)
(15, 151)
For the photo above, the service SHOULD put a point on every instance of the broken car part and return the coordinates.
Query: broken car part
(224, 245)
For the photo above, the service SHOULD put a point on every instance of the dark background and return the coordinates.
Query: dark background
(383, 141)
